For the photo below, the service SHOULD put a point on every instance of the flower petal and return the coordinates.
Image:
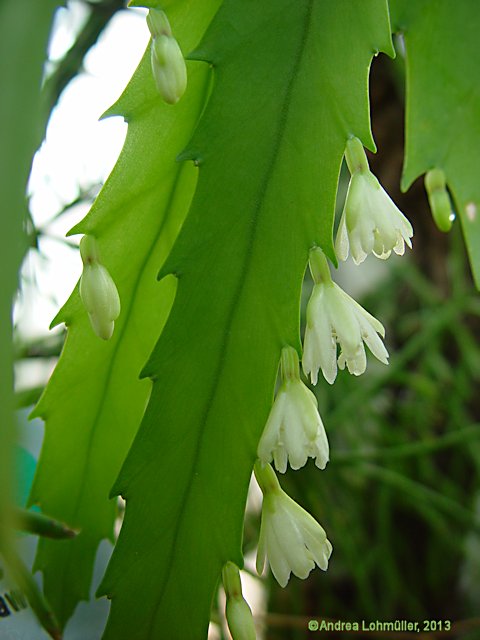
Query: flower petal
(320, 335)
(269, 438)
(341, 241)
(372, 340)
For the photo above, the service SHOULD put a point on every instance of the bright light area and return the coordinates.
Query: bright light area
(77, 155)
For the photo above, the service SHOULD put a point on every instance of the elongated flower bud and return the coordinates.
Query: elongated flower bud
(240, 620)
(169, 70)
(238, 613)
(168, 64)
(439, 200)
(98, 291)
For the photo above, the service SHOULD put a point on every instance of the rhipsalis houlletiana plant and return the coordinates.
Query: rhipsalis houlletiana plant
(181, 374)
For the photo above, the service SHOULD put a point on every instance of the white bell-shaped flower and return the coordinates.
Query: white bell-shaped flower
(333, 317)
(370, 222)
(294, 430)
(290, 538)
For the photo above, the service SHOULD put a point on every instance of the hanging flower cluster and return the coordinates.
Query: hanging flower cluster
(337, 330)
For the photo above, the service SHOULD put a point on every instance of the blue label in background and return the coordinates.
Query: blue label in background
(25, 465)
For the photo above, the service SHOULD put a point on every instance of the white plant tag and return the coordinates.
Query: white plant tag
(17, 620)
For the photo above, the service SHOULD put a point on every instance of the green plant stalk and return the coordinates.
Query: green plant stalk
(24, 30)
(41, 525)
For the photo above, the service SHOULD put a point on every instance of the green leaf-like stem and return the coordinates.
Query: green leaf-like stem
(443, 102)
(94, 401)
(269, 149)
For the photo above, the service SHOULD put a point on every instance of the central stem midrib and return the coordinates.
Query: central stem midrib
(282, 123)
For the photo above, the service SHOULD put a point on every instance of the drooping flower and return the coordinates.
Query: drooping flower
(168, 64)
(333, 317)
(370, 222)
(97, 290)
(238, 613)
(294, 430)
(290, 538)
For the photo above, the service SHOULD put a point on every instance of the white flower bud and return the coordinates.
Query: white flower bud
(98, 291)
(238, 613)
(169, 69)
(240, 619)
